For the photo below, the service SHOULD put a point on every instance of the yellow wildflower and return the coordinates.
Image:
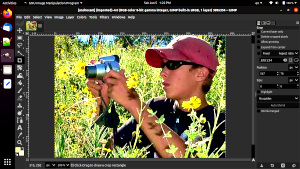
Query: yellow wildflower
(93, 110)
(73, 87)
(86, 90)
(135, 76)
(80, 68)
(77, 95)
(186, 105)
(62, 107)
(62, 73)
(107, 150)
(73, 118)
(132, 81)
(193, 103)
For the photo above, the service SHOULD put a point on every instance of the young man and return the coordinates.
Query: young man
(188, 66)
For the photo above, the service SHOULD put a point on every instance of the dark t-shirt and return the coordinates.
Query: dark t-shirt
(176, 119)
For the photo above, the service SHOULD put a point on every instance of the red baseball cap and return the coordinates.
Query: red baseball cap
(184, 48)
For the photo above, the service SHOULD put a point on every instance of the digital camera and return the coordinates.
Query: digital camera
(103, 66)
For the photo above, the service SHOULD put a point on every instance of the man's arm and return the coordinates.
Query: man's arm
(129, 99)
(156, 132)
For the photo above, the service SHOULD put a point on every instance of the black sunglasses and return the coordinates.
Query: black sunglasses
(174, 64)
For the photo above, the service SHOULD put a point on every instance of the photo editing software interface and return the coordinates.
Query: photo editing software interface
(149, 84)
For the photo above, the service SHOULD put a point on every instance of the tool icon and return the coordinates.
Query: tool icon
(20, 76)
(19, 45)
(19, 106)
(20, 134)
(19, 127)
(20, 83)
(19, 112)
(19, 67)
(20, 53)
(19, 91)
(19, 142)
(20, 98)
(20, 30)
(19, 37)
(20, 120)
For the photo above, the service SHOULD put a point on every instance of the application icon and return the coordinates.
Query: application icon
(7, 13)
(7, 69)
(7, 27)
(7, 161)
(6, 41)
(31, 26)
(7, 55)
(7, 83)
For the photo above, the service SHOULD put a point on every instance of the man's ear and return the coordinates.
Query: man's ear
(202, 73)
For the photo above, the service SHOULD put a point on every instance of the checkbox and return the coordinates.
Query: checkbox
(7, 83)
(7, 69)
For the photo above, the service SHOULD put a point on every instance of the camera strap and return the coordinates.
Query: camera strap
(108, 118)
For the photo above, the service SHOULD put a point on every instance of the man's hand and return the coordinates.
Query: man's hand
(118, 90)
(95, 86)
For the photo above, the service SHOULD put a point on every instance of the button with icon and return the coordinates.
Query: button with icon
(7, 13)
(20, 60)
(6, 41)
(7, 161)
(295, 9)
(7, 83)
(7, 55)
(7, 27)
(7, 69)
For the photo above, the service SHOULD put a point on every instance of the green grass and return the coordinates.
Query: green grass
(75, 106)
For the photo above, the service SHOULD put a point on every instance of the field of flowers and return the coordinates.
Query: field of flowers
(75, 107)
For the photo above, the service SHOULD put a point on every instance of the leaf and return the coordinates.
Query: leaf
(151, 113)
(160, 120)
(223, 147)
(172, 149)
(168, 135)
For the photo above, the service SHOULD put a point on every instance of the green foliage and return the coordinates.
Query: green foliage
(161, 120)
(75, 107)
(172, 149)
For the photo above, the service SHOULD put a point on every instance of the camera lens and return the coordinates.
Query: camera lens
(90, 71)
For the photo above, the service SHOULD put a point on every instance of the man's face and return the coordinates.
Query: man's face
(180, 84)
